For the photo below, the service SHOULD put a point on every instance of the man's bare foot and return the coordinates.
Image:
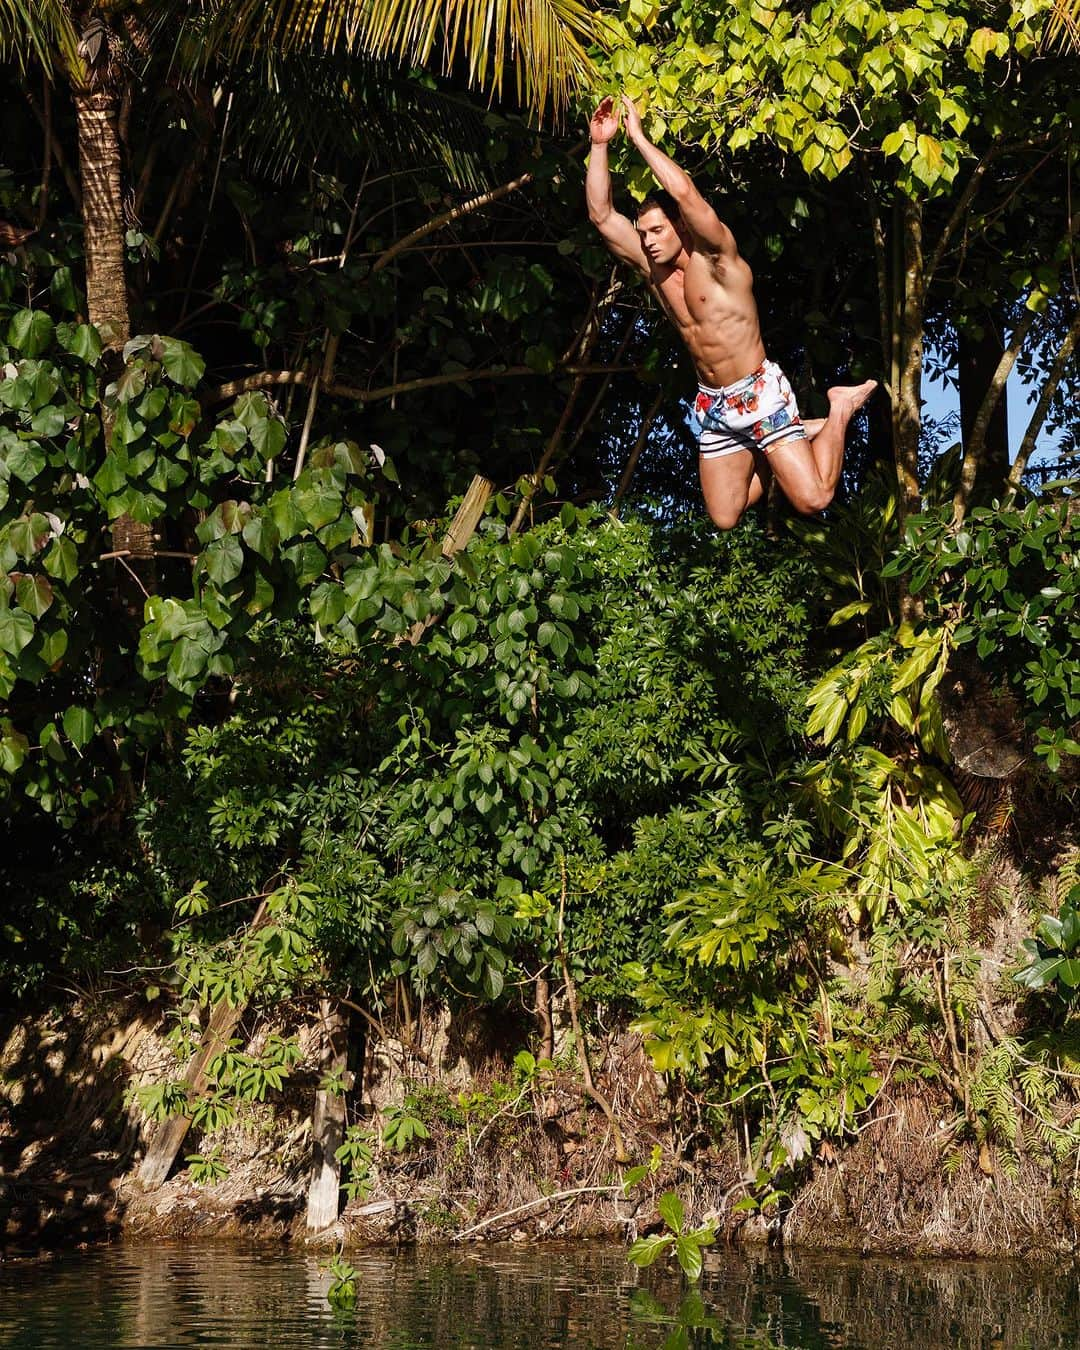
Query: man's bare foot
(847, 399)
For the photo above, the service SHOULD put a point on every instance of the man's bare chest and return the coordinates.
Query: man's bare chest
(705, 293)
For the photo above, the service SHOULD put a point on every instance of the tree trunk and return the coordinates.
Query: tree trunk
(978, 361)
(96, 112)
(103, 215)
(907, 413)
(328, 1121)
(170, 1134)
(543, 1017)
(907, 367)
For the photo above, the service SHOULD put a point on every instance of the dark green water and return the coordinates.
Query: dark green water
(528, 1299)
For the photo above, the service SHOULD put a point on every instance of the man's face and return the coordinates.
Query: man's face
(659, 237)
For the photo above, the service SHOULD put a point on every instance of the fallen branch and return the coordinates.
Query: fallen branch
(534, 1204)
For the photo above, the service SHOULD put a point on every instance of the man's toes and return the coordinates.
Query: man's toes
(852, 396)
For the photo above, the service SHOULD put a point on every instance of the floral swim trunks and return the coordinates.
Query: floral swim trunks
(756, 413)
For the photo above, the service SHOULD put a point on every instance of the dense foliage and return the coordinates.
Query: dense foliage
(266, 739)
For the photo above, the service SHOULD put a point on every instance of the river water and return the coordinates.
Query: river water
(511, 1298)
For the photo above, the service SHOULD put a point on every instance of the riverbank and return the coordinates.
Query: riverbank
(498, 1155)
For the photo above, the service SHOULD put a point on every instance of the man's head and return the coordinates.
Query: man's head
(660, 227)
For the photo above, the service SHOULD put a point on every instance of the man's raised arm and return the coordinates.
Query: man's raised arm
(704, 224)
(617, 231)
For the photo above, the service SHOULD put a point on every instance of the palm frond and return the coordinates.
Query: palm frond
(1063, 26)
(38, 30)
(294, 112)
(542, 42)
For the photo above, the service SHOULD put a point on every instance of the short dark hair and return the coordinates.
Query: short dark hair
(664, 201)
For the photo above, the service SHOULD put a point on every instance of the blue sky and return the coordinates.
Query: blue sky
(940, 399)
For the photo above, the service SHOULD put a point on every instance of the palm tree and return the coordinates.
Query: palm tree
(95, 45)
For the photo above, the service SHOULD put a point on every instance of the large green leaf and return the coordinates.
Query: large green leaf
(79, 726)
(16, 630)
(671, 1211)
(224, 559)
(30, 331)
(34, 594)
(183, 364)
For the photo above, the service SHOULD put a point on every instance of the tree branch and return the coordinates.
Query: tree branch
(1038, 417)
(961, 207)
(54, 145)
(639, 444)
(997, 148)
(976, 442)
(455, 213)
(271, 379)
(584, 345)
(881, 265)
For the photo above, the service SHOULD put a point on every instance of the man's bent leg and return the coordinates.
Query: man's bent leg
(730, 483)
(809, 470)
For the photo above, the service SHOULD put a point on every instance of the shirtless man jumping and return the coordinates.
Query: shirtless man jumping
(749, 418)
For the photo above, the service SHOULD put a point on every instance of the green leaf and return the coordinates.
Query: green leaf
(34, 594)
(327, 603)
(30, 332)
(112, 476)
(62, 289)
(48, 421)
(309, 561)
(645, 1250)
(25, 460)
(79, 726)
(13, 748)
(183, 365)
(224, 559)
(688, 1255)
(62, 560)
(261, 536)
(319, 506)
(671, 1211)
(540, 358)
(53, 647)
(81, 340)
(268, 436)
(16, 630)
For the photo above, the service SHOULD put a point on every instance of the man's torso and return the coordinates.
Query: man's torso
(712, 305)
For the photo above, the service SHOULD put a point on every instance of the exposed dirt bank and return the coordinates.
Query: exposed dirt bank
(502, 1159)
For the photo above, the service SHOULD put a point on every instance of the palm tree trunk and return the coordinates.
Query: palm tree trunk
(96, 112)
(103, 216)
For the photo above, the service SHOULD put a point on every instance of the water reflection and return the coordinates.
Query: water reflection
(585, 1297)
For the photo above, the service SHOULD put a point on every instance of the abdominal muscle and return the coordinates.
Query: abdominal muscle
(716, 318)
